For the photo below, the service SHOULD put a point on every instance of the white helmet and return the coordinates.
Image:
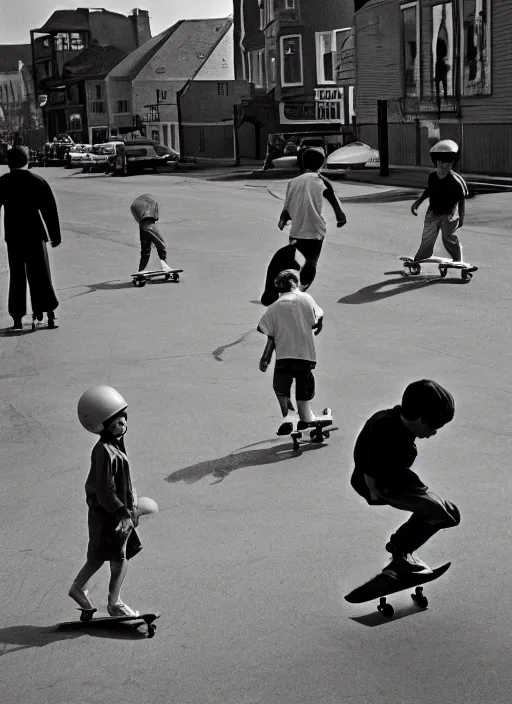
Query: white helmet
(446, 147)
(98, 404)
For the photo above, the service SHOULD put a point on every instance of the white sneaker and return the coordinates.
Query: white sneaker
(403, 565)
(165, 266)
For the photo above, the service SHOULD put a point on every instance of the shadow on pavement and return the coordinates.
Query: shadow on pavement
(377, 619)
(380, 290)
(23, 637)
(223, 466)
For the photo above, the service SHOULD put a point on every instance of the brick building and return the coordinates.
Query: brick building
(71, 55)
(444, 68)
(298, 57)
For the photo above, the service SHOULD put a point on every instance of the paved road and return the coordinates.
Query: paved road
(253, 549)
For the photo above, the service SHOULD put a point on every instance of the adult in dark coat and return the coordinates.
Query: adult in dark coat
(30, 218)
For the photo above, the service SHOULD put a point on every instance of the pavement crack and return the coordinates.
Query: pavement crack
(220, 350)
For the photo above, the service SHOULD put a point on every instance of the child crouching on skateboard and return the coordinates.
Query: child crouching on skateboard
(114, 509)
(145, 211)
(289, 323)
(384, 453)
(446, 191)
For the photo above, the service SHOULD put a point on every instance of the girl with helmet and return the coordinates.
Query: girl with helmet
(113, 506)
(446, 191)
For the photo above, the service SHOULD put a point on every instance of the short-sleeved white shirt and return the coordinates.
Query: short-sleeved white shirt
(304, 201)
(290, 321)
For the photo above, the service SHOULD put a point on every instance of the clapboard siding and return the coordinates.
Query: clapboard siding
(487, 149)
(378, 57)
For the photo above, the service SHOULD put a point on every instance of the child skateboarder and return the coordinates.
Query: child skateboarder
(114, 509)
(303, 206)
(446, 191)
(145, 211)
(289, 323)
(383, 455)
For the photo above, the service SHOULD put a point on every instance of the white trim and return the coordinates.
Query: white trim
(417, 62)
(320, 77)
(208, 124)
(281, 57)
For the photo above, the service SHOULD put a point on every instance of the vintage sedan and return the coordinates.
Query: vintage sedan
(75, 156)
(98, 158)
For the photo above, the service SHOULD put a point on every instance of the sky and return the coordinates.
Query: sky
(18, 17)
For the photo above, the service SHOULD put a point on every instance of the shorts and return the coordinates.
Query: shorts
(105, 543)
(286, 370)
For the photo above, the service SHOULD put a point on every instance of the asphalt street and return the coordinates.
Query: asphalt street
(254, 548)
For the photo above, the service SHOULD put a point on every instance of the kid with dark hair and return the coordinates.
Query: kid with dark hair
(145, 211)
(383, 455)
(303, 206)
(289, 323)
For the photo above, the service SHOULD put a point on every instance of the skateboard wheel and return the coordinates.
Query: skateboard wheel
(167, 277)
(151, 630)
(327, 434)
(443, 271)
(420, 600)
(135, 282)
(466, 276)
(386, 610)
(176, 277)
(142, 283)
(415, 270)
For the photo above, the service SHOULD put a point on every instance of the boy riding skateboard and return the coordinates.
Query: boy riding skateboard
(383, 455)
(289, 323)
(446, 191)
(303, 206)
(145, 211)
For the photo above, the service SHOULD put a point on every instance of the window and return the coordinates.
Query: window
(97, 107)
(62, 41)
(223, 89)
(257, 68)
(410, 28)
(76, 41)
(442, 49)
(155, 135)
(325, 52)
(74, 122)
(345, 56)
(98, 91)
(329, 104)
(201, 140)
(271, 69)
(289, 4)
(122, 106)
(173, 136)
(476, 47)
(163, 95)
(291, 60)
(165, 135)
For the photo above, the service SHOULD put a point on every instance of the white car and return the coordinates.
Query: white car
(97, 159)
(75, 155)
(356, 155)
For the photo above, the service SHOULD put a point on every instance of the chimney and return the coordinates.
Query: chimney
(140, 23)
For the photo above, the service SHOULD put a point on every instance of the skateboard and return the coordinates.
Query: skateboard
(382, 585)
(413, 268)
(87, 621)
(38, 318)
(321, 428)
(142, 277)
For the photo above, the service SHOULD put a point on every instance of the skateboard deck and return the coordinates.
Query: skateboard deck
(141, 277)
(412, 267)
(320, 429)
(87, 620)
(382, 585)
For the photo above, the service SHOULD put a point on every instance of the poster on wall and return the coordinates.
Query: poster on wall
(442, 49)
(476, 47)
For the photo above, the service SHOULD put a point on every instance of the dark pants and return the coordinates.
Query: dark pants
(28, 262)
(430, 513)
(150, 234)
(310, 250)
(283, 259)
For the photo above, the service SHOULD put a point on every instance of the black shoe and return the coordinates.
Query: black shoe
(51, 320)
(17, 324)
(285, 428)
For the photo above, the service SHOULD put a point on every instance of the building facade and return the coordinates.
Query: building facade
(71, 55)
(447, 76)
(150, 89)
(20, 117)
(298, 57)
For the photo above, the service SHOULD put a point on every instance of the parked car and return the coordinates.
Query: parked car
(136, 155)
(356, 155)
(98, 158)
(55, 151)
(75, 156)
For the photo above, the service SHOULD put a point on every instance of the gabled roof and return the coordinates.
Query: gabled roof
(67, 21)
(96, 60)
(10, 54)
(134, 62)
(181, 50)
(189, 47)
